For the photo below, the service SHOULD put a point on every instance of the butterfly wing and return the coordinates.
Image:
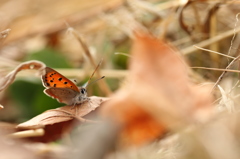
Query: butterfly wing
(63, 95)
(53, 79)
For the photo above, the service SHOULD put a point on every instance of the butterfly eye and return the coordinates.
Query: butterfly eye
(83, 90)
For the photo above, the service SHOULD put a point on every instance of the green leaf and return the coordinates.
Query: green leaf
(50, 57)
(30, 98)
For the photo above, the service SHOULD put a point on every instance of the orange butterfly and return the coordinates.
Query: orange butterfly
(61, 88)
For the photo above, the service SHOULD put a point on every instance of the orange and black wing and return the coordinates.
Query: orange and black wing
(53, 79)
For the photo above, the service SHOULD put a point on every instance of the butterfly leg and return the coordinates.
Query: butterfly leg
(89, 102)
(74, 105)
(82, 101)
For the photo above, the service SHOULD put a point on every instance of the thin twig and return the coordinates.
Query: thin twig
(214, 52)
(225, 70)
(230, 64)
(28, 133)
(234, 35)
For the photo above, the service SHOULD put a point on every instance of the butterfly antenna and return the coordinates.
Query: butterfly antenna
(88, 82)
(95, 81)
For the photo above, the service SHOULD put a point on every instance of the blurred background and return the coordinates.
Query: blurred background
(39, 31)
(43, 30)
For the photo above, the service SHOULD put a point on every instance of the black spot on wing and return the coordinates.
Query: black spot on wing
(54, 85)
(60, 79)
(65, 82)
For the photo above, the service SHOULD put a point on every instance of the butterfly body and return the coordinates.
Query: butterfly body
(61, 88)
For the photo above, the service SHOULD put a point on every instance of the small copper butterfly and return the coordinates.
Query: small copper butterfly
(64, 90)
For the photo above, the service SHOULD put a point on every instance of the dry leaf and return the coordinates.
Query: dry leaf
(9, 78)
(57, 122)
(159, 96)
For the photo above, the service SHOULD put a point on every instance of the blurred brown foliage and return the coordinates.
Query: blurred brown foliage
(159, 94)
(163, 107)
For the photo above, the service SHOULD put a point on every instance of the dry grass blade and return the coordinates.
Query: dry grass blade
(215, 52)
(218, 69)
(102, 84)
(80, 73)
(209, 41)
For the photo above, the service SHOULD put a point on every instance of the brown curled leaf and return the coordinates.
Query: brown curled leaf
(57, 122)
(9, 78)
(159, 96)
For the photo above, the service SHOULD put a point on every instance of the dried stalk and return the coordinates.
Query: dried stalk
(222, 75)
(28, 133)
(79, 73)
(102, 84)
(210, 41)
